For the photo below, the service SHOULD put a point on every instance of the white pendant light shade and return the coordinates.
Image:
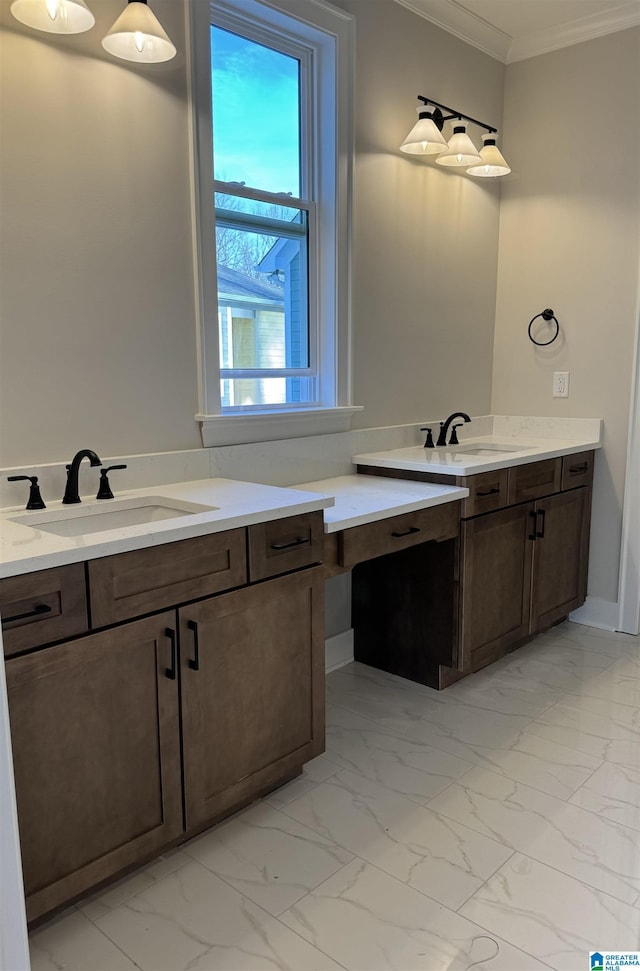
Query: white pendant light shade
(138, 35)
(493, 161)
(54, 16)
(424, 138)
(461, 150)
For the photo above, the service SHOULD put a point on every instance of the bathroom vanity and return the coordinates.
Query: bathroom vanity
(164, 673)
(156, 690)
(522, 559)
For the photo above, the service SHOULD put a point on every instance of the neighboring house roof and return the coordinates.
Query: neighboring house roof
(236, 285)
(280, 255)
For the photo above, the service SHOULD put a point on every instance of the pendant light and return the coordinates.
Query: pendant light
(461, 151)
(54, 16)
(138, 35)
(493, 161)
(425, 137)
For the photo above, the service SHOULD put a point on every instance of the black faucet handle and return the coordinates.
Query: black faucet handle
(429, 439)
(35, 499)
(104, 490)
(453, 440)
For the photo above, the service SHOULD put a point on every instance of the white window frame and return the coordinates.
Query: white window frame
(327, 33)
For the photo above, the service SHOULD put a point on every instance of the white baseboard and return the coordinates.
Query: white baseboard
(338, 650)
(596, 612)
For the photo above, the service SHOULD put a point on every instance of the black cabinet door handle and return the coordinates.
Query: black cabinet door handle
(300, 541)
(171, 671)
(407, 532)
(578, 469)
(489, 492)
(534, 517)
(37, 610)
(540, 528)
(194, 662)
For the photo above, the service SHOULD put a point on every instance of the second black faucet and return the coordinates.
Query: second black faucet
(444, 428)
(71, 491)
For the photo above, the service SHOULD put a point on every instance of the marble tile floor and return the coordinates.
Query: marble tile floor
(495, 825)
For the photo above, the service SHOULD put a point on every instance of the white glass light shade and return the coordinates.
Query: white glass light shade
(461, 150)
(424, 138)
(138, 35)
(493, 161)
(54, 16)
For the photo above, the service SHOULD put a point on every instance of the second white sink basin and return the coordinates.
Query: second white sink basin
(111, 514)
(489, 448)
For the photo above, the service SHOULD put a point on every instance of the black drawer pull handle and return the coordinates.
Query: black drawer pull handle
(578, 469)
(489, 492)
(407, 532)
(37, 610)
(171, 671)
(194, 662)
(534, 516)
(540, 529)
(300, 541)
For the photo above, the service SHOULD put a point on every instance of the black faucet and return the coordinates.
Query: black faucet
(444, 428)
(71, 491)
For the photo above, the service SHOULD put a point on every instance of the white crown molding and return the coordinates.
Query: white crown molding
(457, 20)
(467, 26)
(609, 21)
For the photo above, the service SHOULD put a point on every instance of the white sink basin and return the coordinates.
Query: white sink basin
(489, 448)
(111, 514)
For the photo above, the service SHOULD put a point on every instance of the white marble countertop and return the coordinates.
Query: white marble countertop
(25, 549)
(473, 456)
(361, 499)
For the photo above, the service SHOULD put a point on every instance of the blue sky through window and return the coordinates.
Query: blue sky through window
(256, 114)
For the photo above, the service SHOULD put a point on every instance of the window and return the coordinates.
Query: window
(272, 95)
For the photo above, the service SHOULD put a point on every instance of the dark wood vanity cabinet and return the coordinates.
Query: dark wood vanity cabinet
(495, 588)
(132, 738)
(252, 674)
(96, 751)
(523, 556)
(524, 567)
(560, 556)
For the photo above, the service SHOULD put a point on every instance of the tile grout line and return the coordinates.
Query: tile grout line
(544, 863)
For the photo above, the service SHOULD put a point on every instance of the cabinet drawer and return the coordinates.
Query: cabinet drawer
(285, 544)
(534, 480)
(132, 584)
(487, 492)
(577, 470)
(388, 535)
(38, 608)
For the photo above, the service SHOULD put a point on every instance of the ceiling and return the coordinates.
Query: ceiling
(512, 30)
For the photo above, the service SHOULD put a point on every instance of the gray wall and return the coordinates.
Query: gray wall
(97, 328)
(570, 240)
(425, 238)
(97, 339)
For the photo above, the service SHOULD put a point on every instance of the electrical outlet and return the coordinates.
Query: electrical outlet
(560, 384)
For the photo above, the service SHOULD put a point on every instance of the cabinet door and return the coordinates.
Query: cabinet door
(496, 582)
(252, 668)
(94, 725)
(560, 556)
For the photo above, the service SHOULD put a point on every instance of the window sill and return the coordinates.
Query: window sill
(269, 426)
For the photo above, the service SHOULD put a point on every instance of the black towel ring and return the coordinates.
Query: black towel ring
(546, 315)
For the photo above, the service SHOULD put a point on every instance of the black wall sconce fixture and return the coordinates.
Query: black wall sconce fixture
(426, 138)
